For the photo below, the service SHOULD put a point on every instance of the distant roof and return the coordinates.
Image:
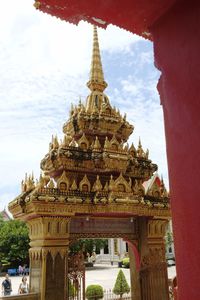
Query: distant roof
(148, 184)
(5, 215)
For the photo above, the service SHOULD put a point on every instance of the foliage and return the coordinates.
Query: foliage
(121, 285)
(94, 292)
(88, 245)
(169, 238)
(126, 262)
(14, 243)
(1, 220)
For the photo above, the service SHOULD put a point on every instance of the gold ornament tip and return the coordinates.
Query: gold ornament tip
(37, 4)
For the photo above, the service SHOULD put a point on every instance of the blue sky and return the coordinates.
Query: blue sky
(44, 67)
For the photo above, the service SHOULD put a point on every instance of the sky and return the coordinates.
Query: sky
(44, 67)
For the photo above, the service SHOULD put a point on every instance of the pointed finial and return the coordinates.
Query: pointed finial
(72, 110)
(139, 144)
(51, 184)
(96, 81)
(97, 144)
(74, 186)
(106, 143)
(55, 142)
(147, 154)
(140, 151)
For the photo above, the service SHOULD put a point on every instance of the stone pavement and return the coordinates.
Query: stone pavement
(105, 275)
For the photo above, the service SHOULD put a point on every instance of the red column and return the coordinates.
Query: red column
(177, 54)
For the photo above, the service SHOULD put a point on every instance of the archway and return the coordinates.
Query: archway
(146, 244)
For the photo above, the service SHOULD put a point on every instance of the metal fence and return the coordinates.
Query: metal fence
(108, 294)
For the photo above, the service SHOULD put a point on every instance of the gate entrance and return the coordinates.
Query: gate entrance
(92, 186)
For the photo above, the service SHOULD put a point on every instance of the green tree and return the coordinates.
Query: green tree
(169, 238)
(94, 292)
(121, 285)
(88, 245)
(14, 243)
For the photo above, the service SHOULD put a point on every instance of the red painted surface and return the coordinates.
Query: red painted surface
(136, 254)
(132, 15)
(177, 54)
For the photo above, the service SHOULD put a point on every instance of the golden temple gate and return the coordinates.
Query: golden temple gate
(92, 186)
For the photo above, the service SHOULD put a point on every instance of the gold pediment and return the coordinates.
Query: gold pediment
(63, 182)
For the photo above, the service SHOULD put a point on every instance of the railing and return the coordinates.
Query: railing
(31, 296)
(171, 294)
(108, 294)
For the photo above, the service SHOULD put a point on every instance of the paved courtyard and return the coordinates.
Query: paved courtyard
(105, 275)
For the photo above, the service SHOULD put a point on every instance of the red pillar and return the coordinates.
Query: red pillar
(177, 54)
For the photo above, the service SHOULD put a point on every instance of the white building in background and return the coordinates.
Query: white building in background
(170, 253)
(115, 250)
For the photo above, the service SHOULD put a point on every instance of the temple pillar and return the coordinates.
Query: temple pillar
(112, 250)
(102, 251)
(177, 48)
(49, 257)
(134, 272)
(153, 271)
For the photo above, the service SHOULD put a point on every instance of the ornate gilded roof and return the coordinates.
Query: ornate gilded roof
(93, 164)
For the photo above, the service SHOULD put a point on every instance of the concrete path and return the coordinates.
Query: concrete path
(105, 275)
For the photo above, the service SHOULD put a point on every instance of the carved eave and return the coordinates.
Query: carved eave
(98, 123)
(48, 205)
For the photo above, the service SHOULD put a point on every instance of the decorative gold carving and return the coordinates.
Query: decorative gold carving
(55, 142)
(43, 227)
(97, 185)
(155, 256)
(121, 185)
(97, 145)
(51, 184)
(111, 183)
(63, 182)
(106, 187)
(28, 184)
(96, 81)
(157, 228)
(41, 253)
(85, 185)
(140, 151)
(114, 144)
(76, 236)
(66, 140)
(74, 186)
(106, 143)
(132, 150)
(37, 4)
(73, 143)
(83, 142)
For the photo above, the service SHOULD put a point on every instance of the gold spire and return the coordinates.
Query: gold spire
(96, 81)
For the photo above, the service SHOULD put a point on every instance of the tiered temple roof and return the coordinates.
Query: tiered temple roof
(93, 163)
